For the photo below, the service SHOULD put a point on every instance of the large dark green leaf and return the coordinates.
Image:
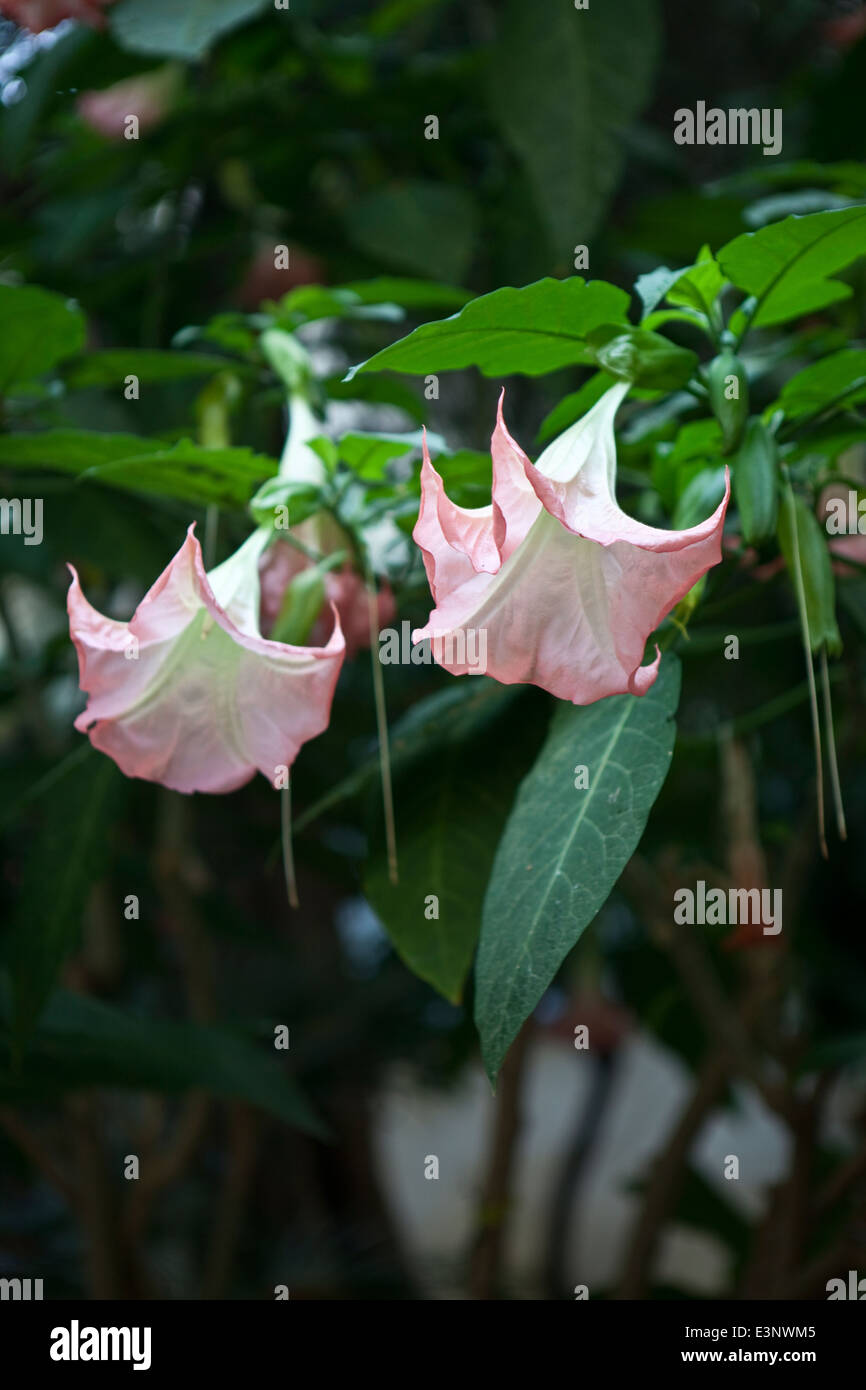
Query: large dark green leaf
(450, 817)
(179, 28)
(84, 1042)
(647, 359)
(111, 367)
(420, 225)
(66, 858)
(37, 330)
(308, 303)
(530, 330)
(228, 477)
(787, 265)
(573, 406)
(563, 87)
(564, 849)
(838, 380)
(368, 454)
(427, 727)
(409, 294)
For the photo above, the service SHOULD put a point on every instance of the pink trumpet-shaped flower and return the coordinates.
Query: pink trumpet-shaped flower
(149, 97)
(37, 15)
(566, 586)
(188, 693)
(344, 589)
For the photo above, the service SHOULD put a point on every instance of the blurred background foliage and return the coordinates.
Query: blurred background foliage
(307, 128)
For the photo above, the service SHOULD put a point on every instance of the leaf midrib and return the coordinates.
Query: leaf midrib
(579, 819)
(831, 231)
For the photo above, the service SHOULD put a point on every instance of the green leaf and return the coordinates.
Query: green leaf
(179, 28)
(563, 90)
(795, 201)
(408, 293)
(756, 483)
(817, 572)
(368, 454)
(787, 265)
(308, 303)
(699, 285)
(38, 329)
(227, 477)
(563, 849)
(467, 475)
(66, 858)
(426, 727)
(644, 358)
(421, 225)
(838, 380)
(69, 451)
(302, 499)
(531, 330)
(151, 366)
(693, 290)
(84, 1042)
(652, 287)
(699, 497)
(574, 406)
(697, 439)
(450, 820)
(660, 317)
(726, 374)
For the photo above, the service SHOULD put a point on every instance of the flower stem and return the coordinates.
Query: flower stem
(800, 591)
(211, 523)
(831, 749)
(288, 852)
(382, 725)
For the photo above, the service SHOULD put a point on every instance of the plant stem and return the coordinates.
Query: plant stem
(487, 1256)
(211, 524)
(800, 590)
(831, 749)
(288, 853)
(382, 726)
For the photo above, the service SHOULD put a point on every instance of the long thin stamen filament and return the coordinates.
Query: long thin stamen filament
(211, 524)
(382, 728)
(831, 749)
(288, 852)
(800, 590)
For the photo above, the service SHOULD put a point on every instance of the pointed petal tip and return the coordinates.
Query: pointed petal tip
(645, 677)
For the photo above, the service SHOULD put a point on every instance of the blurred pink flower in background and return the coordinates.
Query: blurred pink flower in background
(344, 589)
(149, 96)
(263, 279)
(37, 15)
(851, 546)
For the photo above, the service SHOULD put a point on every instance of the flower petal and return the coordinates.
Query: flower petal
(200, 704)
(456, 542)
(515, 504)
(575, 480)
(549, 618)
